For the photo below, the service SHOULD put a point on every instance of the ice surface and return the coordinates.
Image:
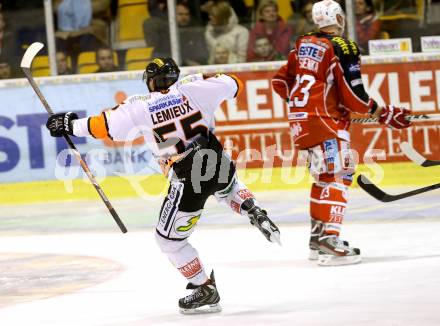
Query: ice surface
(260, 283)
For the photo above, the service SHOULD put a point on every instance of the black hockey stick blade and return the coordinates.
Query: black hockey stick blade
(416, 157)
(382, 196)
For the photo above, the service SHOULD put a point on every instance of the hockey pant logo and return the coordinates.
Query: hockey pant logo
(191, 269)
(173, 223)
(332, 161)
(190, 224)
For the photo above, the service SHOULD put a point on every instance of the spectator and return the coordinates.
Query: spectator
(367, 24)
(75, 32)
(156, 29)
(272, 26)
(101, 19)
(2, 33)
(223, 28)
(5, 70)
(238, 6)
(222, 55)
(105, 61)
(306, 24)
(392, 7)
(264, 51)
(192, 41)
(62, 66)
(7, 47)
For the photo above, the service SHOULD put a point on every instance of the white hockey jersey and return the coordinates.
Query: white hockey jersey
(167, 121)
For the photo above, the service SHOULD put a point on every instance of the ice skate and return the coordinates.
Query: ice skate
(334, 252)
(315, 233)
(258, 218)
(204, 298)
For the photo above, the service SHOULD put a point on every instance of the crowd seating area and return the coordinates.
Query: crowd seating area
(122, 26)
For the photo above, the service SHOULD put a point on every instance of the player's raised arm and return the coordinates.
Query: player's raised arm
(116, 123)
(210, 90)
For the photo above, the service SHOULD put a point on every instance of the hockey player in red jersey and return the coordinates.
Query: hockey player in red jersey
(176, 120)
(322, 84)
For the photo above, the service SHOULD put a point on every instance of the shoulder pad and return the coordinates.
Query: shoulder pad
(189, 79)
(308, 34)
(344, 47)
(138, 98)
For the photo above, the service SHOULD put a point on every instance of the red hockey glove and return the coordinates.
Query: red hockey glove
(394, 117)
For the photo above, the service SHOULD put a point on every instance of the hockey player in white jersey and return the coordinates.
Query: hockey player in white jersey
(177, 120)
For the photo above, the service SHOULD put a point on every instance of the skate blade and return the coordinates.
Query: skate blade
(313, 254)
(208, 309)
(332, 260)
(275, 237)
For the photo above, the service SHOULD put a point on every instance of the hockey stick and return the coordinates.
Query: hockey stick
(412, 118)
(382, 196)
(26, 62)
(416, 157)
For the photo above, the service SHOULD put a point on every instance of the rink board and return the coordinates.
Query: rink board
(154, 186)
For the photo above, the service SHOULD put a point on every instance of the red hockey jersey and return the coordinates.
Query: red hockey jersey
(322, 84)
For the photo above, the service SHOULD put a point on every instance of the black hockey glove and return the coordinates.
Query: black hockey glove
(61, 124)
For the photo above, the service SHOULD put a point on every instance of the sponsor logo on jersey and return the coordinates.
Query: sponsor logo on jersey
(354, 67)
(189, 224)
(298, 115)
(191, 269)
(295, 129)
(354, 47)
(245, 194)
(137, 98)
(311, 51)
(235, 206)
(189, 79)
(166, 102)
(355, 82)
(337, 210)
(331, 151)
(342, 44)
(170, 206)
(337, 214)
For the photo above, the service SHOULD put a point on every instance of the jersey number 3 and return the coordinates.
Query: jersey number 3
(306, 82)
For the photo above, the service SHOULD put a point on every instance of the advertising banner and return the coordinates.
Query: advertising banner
(253, 127)
(257, 120)
(28, 152)
(390, 46)
(430, 43)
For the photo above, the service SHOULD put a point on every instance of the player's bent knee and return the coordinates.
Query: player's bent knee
(168, 245)
(177, 225)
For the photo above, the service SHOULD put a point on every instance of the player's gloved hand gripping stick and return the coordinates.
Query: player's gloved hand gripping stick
(26, 62)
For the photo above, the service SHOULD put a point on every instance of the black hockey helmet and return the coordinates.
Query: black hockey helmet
(163, 71)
